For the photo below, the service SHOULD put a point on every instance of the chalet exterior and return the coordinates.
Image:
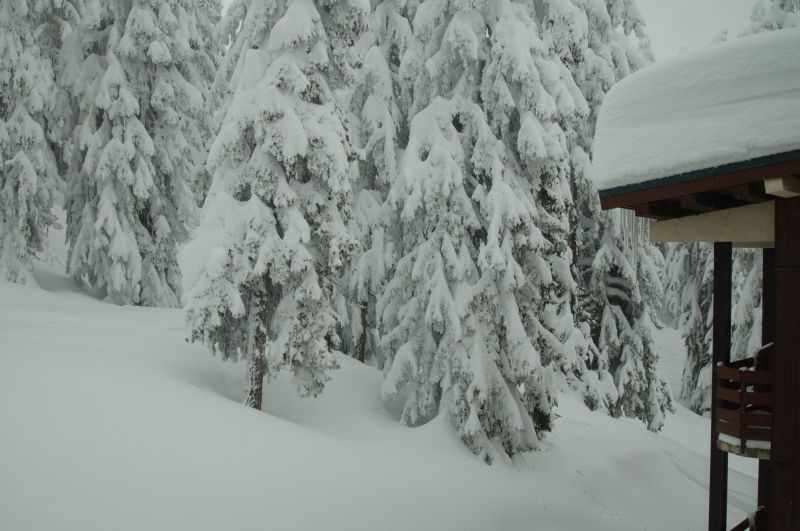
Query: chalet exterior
(707, 145)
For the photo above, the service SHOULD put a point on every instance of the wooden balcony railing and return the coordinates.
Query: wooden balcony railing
(744, 405)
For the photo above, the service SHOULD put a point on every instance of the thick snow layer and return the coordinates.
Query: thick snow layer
(730, 102)
(110, 420)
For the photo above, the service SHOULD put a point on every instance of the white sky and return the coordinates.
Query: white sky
(675, 24)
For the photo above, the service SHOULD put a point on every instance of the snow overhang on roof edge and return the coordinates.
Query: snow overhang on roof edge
(717, 109)
(700, 174)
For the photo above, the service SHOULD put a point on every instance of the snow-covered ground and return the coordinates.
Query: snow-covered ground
(110, 420)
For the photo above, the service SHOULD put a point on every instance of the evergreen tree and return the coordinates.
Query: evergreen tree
(60, 23)
(770, 15)
(201, 73)
(377, 125)
(746, 318)
(28, 167)
(615, 266)
(476, 313)
(690, 295)
(137, 146)
(240, 29)
(263, 267)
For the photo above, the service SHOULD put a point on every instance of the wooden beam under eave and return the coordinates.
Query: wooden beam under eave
(783, 187)
(747, 226)
(654, 191)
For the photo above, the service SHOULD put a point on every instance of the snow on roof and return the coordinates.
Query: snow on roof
(728, 103)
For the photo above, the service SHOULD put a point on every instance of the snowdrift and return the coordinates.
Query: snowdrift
(110, 420)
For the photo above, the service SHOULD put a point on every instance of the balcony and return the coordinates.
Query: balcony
(744, 405)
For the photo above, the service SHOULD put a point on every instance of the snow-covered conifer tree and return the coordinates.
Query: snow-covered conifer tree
(770, 15)
(746, 318)
(477, 310)
(615, 266)
(28, 167)
(138, 146)
(689, 284)
(377, 127)
(201, 73)
(239, 30)
(262, 270)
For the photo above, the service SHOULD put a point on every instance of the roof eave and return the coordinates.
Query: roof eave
(703, 180)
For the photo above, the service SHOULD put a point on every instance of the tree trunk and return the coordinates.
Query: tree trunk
(361, 344)
(257, 363)
(256, 368)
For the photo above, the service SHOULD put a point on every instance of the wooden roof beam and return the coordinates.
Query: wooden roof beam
(747, 226)
(747, 193)
(783, 186)
(660, 210)
(709, 201)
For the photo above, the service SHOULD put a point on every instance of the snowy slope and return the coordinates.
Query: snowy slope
(723, 104)
(110, 420)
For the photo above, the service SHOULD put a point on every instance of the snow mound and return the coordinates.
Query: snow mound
(727, 103)
(110, 420)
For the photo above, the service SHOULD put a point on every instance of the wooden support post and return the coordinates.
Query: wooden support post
(718, 476)
(783, 512)
(767, 336)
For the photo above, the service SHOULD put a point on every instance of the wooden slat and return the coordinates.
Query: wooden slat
(756, 377)
(747, 377)
(744, 433)
(752, 419)
(744, 377)
(756, 434)
(729, 395)
(745, 419)
(727, 373)
(747, 362)
(748, 398)
(728, 415)
(758, 399)
(729, 429)
(733, 416)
